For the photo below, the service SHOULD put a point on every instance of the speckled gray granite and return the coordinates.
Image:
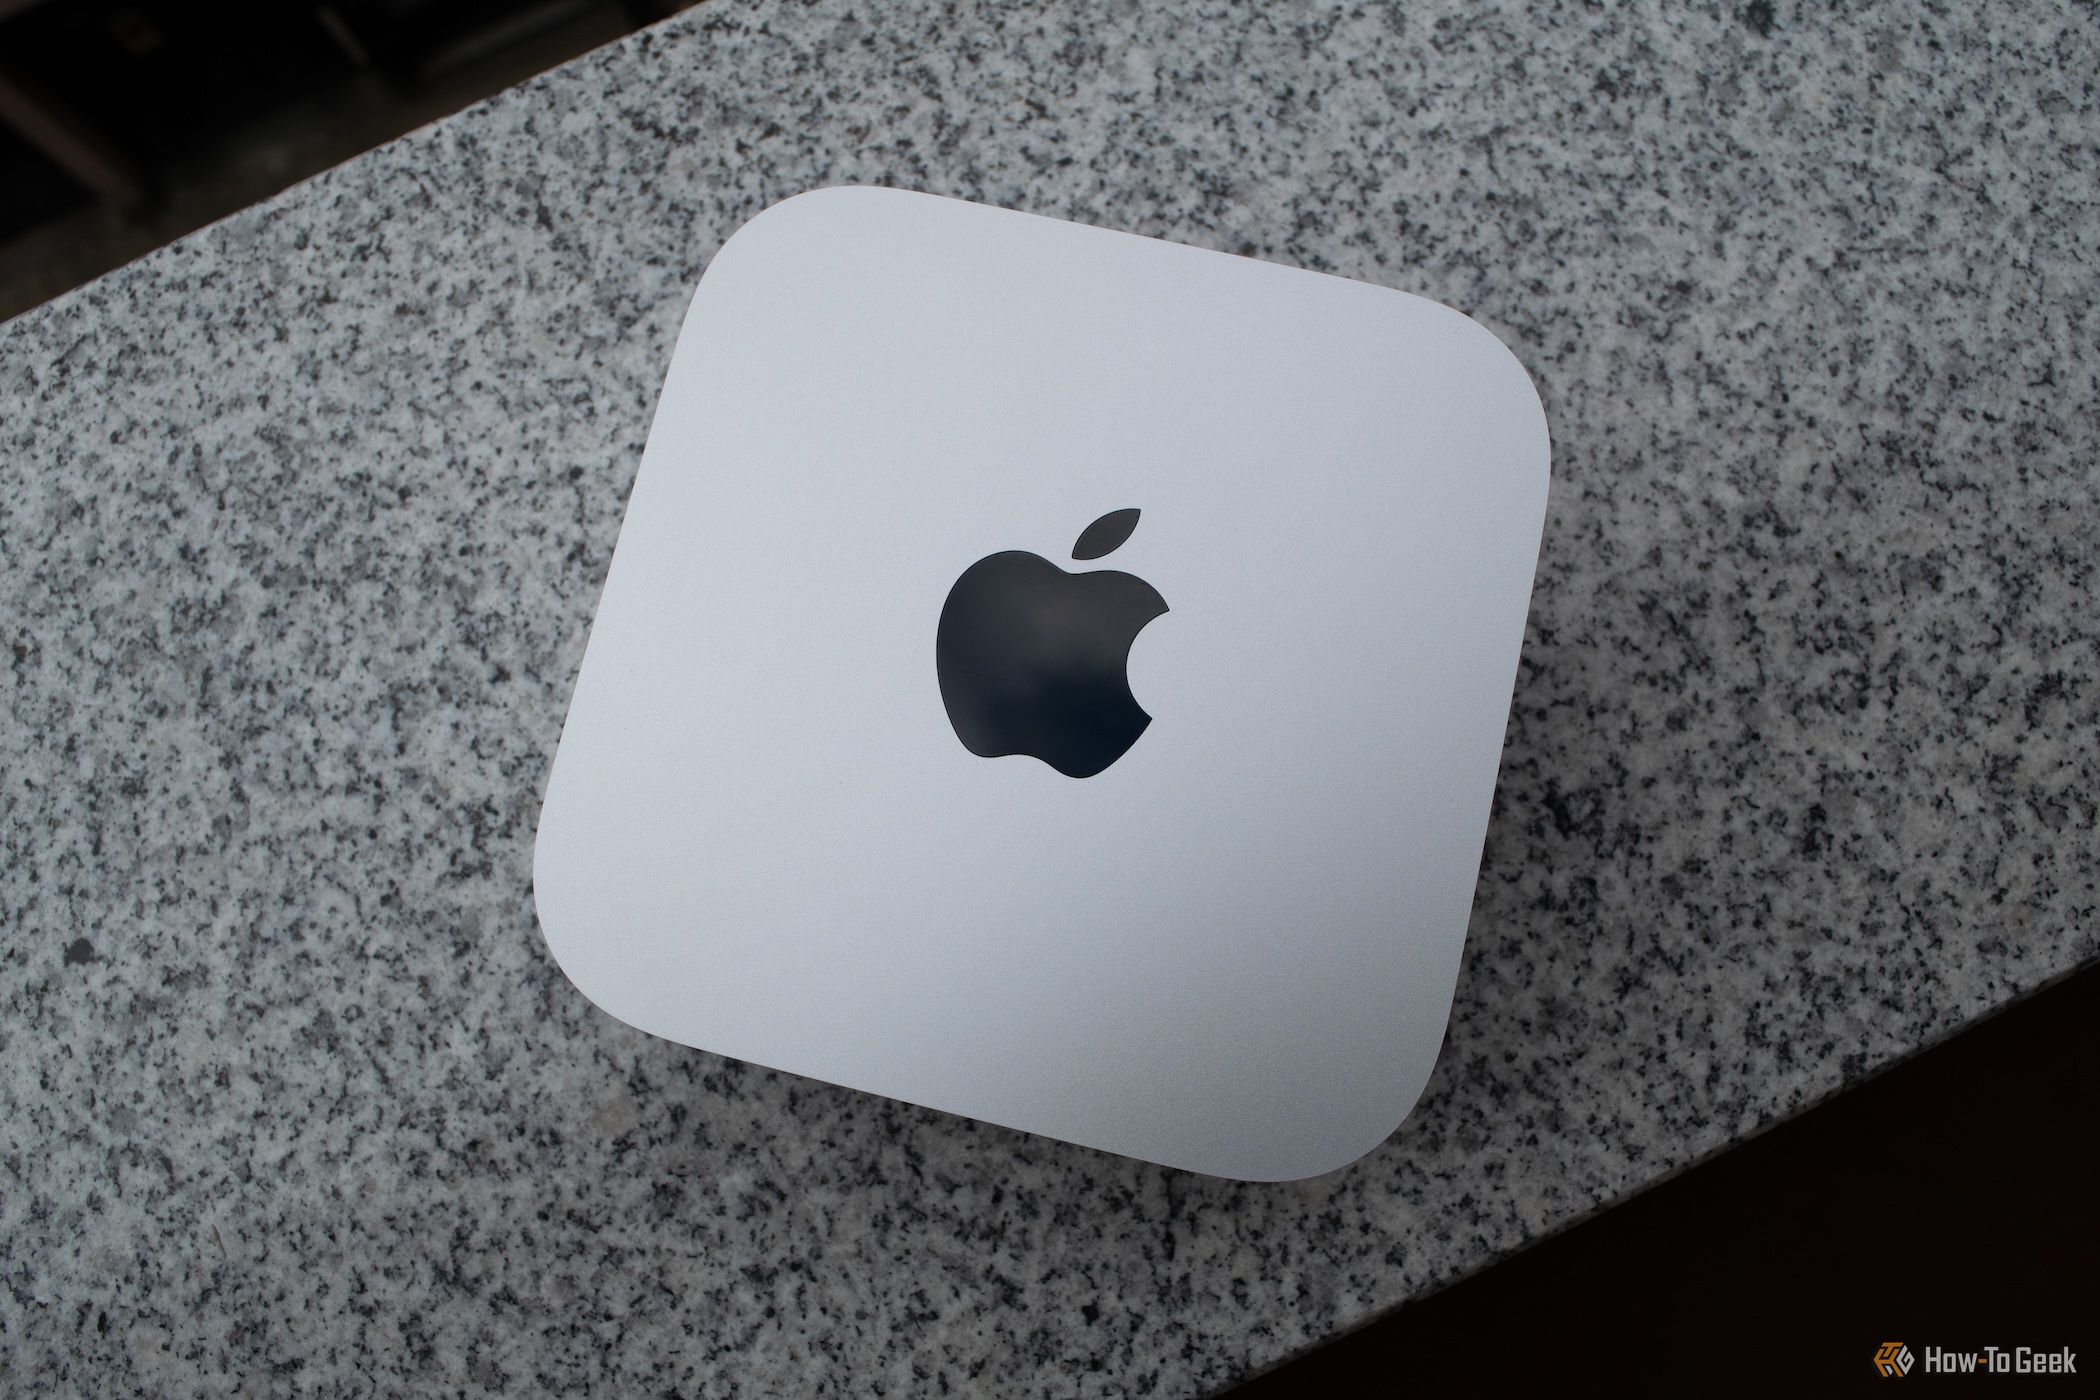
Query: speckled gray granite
(303, 519)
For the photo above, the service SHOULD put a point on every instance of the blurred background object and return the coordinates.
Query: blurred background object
(125, 124)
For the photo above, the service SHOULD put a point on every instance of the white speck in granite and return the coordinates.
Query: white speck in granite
(303, 520)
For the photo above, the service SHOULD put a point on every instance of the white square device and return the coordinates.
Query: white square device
(1054, 676)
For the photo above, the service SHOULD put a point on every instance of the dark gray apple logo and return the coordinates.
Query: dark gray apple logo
(1035, 661)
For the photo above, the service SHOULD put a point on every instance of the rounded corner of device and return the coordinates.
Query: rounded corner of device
(805, 201)
(1523, 390)
(1535, 409)
(549, 899)
(1355, 1149)
(1508, 385)
(1410, 1086)
(1415, 1089)
(1365, 1129)
(564, 954)
(577, 944)
(801, 204)
(780, 218)
(540, 880)
(544, 898)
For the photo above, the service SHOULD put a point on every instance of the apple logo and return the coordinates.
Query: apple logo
(1034, 660)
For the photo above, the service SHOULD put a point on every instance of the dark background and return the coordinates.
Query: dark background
(1950, 1202)
(125, 124)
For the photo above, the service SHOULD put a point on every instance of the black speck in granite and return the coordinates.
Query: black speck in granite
(303, 519)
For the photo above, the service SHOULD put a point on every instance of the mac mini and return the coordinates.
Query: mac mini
(1053, 676)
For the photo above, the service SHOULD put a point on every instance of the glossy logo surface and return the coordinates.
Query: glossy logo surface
(1034, 660)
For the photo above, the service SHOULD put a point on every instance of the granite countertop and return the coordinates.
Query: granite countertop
(304, 518)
